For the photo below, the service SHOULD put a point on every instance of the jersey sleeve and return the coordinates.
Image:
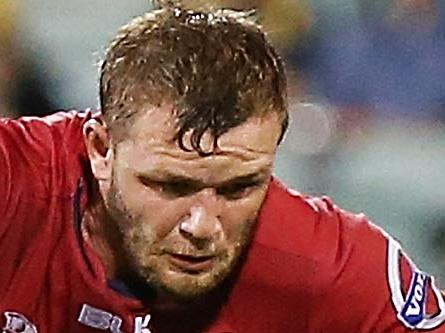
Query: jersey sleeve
(367, 283)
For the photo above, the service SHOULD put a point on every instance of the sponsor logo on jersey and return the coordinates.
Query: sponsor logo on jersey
(141, 324)
(412, 308)
(103, 320)
(18, 323)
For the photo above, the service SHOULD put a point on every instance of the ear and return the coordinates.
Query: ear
(98, 144)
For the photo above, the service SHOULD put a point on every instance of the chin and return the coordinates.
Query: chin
(190, 286)
(182, 285)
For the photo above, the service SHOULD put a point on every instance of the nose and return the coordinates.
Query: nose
(201, 225)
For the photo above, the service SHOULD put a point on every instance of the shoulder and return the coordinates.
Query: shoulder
(353, 262)
(296, 222)
(343, 255)
(60, 118)
(40, 168)
(340, 244)
(35, 151)
(41, 134)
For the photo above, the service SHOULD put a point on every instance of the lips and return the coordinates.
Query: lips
(189, 263)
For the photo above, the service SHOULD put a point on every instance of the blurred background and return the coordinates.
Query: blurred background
(367, 95)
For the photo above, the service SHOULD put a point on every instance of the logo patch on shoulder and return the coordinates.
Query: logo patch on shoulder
(413, 308)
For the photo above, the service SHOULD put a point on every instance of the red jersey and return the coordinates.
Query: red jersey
(311, 266)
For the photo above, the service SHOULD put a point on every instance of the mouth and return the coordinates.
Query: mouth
(191, 264)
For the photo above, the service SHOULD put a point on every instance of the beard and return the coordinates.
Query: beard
(145, 254)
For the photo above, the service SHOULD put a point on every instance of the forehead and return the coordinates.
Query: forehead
(150, 145)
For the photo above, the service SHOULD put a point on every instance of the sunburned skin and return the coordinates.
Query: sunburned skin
(184, 218)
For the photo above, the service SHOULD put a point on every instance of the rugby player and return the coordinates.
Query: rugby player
(160, 213)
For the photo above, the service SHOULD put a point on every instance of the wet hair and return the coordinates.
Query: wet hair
(215, 67)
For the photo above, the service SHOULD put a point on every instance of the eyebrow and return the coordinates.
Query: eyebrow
(166, 176)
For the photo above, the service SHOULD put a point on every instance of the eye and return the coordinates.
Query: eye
(170, 188)
(237, 191)
(179, 189)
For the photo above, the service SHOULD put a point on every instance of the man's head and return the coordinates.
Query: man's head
(194, 106)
